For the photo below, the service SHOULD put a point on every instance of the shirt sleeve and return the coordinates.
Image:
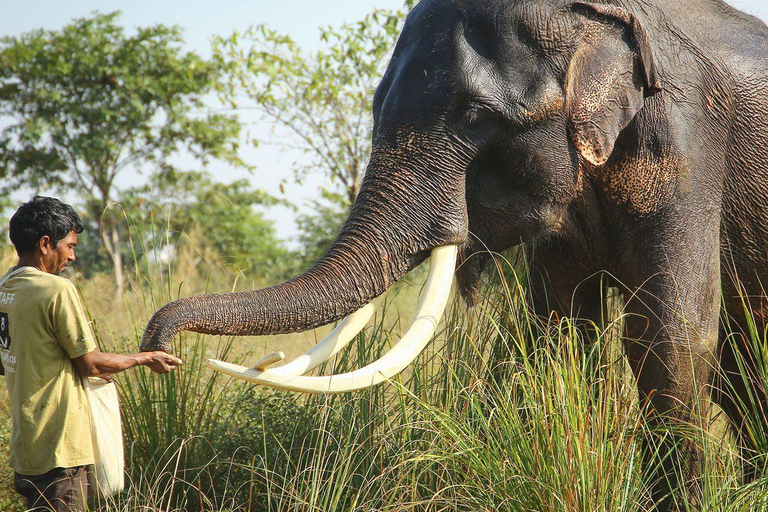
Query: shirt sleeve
(70, 324)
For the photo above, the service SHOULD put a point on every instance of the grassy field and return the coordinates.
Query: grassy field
(501, 412)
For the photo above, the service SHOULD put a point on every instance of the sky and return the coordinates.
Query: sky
(202, 19)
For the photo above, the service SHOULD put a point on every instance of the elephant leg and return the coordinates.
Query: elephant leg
(672, 378)
(671, 335)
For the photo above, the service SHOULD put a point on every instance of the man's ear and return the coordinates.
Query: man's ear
(609, 77)
(44, 244)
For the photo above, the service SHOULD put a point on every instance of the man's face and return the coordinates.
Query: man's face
(57, 257)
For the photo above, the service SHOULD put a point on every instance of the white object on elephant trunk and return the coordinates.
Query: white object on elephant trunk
(326, 348)
(265, 362)
(430, 310)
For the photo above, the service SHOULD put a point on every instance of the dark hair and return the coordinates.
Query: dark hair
(42, 216)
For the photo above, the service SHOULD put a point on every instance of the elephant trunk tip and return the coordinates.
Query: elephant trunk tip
(161, 329)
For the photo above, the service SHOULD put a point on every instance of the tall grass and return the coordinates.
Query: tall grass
(503, 411)
(500, 413)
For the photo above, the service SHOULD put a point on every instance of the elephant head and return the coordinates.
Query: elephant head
(484, 122)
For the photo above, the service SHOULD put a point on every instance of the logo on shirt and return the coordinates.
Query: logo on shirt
(5, 335)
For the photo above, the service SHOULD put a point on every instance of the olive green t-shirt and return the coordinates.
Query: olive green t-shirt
(42, 328)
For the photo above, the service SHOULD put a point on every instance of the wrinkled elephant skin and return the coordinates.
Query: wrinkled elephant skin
(623, 138)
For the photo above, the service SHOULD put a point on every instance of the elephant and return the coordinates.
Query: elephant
(622, 138)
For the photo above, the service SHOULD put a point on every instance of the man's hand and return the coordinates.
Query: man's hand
(102, 364)
(161, 362)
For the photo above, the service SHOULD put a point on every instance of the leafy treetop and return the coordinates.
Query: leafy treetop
(86, 102)
(218, 219)
(322, 99)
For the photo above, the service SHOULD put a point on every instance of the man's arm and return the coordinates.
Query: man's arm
(98, 363)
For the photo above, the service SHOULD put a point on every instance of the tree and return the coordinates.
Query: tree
(88, 102)
(322, 99)
(220, 217)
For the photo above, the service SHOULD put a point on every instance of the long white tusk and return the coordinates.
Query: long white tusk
(326, 348)
(419, 334)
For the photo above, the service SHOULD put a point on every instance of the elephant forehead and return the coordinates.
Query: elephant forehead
(458, 49)
(496, 26)
(543, 26)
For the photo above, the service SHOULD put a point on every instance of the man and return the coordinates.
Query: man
(47, 347)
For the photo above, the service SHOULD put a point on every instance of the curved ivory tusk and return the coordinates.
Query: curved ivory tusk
(326, 348)
(336, 340)
(419, 334)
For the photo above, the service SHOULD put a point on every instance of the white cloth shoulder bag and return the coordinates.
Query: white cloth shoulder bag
(107, 435)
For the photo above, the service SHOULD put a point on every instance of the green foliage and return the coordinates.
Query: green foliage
(265, 435)
(220, 217)
(172, 422)
(88, 102)
(322, 99)
(91, 257)
(6, 210)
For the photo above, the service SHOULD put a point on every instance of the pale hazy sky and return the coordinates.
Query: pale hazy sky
(202, 19)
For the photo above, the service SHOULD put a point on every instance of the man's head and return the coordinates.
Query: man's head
(45, 230)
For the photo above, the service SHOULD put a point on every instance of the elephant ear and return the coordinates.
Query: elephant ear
(609, 77)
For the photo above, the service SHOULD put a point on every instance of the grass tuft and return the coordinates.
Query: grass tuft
(503, 411)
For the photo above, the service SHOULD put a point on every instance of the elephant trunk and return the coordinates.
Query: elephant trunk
(324, 294)
(402, 212)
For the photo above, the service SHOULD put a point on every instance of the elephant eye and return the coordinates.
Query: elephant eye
(479, 125)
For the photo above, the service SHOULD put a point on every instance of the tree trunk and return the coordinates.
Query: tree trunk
(110, 238)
